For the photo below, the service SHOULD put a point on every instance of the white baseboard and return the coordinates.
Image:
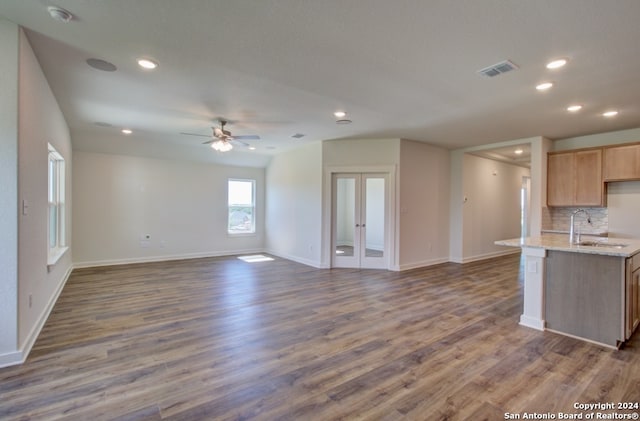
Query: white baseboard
(20, 356)
(151, 259)
(11, 358)
(485, 256)
(424, 263)
(531, 322)
(297, 259)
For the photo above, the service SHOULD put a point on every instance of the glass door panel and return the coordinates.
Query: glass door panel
(374, 216)
(345, 216)
(359, 220)
(374, 227)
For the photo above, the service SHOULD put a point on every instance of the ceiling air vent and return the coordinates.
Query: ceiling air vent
(498, 68)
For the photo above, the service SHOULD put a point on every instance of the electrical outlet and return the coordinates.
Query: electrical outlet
(30, 300)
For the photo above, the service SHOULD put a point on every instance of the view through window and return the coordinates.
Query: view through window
(241, 195)
(56, 198)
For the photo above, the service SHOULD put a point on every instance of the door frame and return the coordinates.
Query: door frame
(360, 231)
(391, 239)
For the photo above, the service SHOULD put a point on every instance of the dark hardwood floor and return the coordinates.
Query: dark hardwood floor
(222, 339)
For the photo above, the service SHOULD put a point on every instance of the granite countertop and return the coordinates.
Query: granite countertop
(605, 246)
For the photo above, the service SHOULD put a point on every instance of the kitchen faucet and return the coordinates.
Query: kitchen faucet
(571, 229)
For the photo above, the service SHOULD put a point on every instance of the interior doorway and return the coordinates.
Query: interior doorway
(360, 220)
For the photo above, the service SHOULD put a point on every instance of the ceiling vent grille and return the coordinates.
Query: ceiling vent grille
(498, 68)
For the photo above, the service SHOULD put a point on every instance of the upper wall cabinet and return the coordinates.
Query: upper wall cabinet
(574, 178)
(622, 162)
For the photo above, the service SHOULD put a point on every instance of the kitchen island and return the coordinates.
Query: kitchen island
(589, 290)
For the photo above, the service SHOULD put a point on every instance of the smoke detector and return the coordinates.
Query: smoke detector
(59, 14)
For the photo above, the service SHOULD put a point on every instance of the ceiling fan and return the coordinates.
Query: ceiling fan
(221, 138)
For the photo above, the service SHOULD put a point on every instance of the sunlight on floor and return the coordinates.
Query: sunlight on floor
(254, 258)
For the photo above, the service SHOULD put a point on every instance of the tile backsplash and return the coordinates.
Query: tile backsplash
(558, 219)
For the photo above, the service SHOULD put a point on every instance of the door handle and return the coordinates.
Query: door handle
(363, 225)
(357, 225)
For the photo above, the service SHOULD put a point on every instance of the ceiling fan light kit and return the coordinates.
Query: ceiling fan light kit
(222, 146)
(221, 139)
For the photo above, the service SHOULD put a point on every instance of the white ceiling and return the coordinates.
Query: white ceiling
(401, 69)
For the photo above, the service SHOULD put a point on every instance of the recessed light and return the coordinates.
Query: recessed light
(556, 64)
(518, 151)
(146, 63)
(339, 114)
(252, 148)
(544, 86)
(127, 131)
(611, 113)
(574, 108)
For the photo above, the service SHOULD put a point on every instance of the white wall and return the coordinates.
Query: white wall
(40, 121)
(180, 205)
(492, 208)
(424, 204)
(464, 245)
(8, 193)
(294, 205)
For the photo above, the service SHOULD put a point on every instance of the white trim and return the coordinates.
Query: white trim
(308, 262)
(151, 259)
(327, 210)
(11, 358)
(532, 322)
(424, 263)
(485, 256)
(20, 356)
(55, 255)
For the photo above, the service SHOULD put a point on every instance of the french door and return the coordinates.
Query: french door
(360, 220)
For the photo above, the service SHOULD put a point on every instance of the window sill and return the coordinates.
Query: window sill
(54, 256)
(241, 234)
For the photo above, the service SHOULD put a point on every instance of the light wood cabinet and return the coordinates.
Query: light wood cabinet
(621, 162)
(632, 310)
(574, 178)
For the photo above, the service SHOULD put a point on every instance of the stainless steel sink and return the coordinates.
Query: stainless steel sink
(602, 244)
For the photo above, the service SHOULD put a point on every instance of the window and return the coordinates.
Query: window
(242, 206)
(56, 233)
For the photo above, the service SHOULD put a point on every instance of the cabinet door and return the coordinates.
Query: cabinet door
(560, 179)
(589, 186)
(622, 163)
(636, 299)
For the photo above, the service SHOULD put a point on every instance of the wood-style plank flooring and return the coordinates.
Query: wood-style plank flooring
(221, 339)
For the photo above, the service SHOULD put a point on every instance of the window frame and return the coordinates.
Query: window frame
(56, 202)
(253, 228)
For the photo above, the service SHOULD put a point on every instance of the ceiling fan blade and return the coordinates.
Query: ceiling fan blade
(247, 137)
(195, 134)
(245, 144)
(208, 142)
